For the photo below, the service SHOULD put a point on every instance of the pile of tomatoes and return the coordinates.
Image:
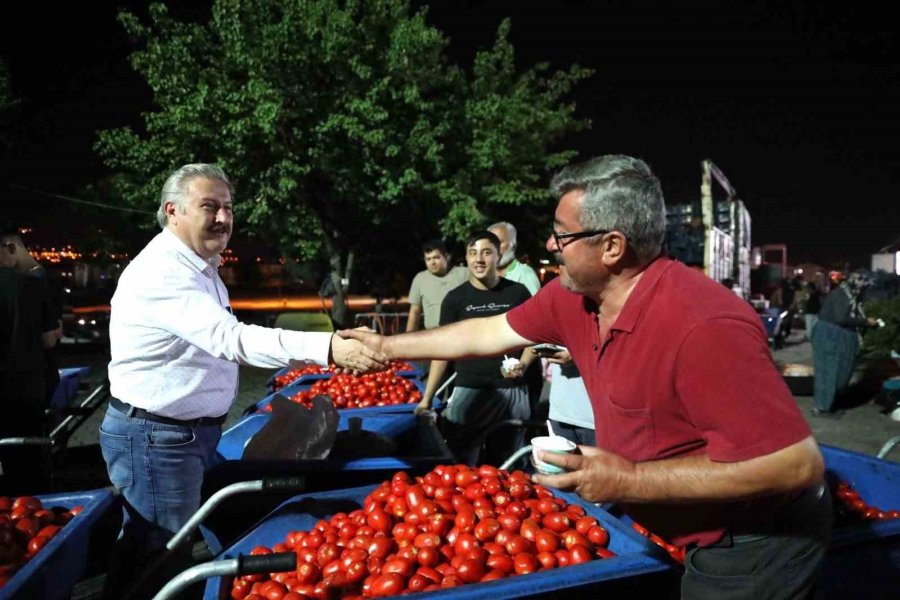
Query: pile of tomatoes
(676, 552)
(456, 525)
(360, 391)
(294, 374)
(849, 504)
(26, 527)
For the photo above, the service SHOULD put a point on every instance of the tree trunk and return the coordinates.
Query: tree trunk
(340, 280)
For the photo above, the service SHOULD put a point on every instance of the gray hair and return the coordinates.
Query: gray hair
(510, 231)
(620, 194)
(173, 188)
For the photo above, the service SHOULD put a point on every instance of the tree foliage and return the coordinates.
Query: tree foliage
(344, 124)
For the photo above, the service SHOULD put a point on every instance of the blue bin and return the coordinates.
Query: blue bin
(290, 390)
(420, 448)
(864, 558)
(59, 565)
(67, 389)
(635, 555)
(420, 445)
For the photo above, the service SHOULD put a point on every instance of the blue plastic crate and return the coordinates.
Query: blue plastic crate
(59, 565)
(864, 559)
(67, 389)
(419, 442)
(420, 448)
(290, 390)
(635, 555)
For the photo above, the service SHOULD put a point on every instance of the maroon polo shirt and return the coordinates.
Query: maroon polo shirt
(685, 370)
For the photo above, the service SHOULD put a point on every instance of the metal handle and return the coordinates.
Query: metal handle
(284, 484)
(277, 562)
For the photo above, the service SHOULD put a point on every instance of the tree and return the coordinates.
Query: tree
(344, 123)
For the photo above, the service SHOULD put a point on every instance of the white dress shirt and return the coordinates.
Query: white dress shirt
(175, 344)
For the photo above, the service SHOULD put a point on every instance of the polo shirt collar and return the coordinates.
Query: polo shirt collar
(642, 294)
(174, 243)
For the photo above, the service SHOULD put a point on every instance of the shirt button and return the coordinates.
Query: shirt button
(594, 347)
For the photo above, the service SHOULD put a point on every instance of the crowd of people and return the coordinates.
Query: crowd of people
(662, 376)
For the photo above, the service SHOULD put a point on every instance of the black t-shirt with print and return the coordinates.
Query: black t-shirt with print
(469, 302)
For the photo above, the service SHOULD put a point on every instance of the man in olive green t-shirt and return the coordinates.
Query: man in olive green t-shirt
(431, 285)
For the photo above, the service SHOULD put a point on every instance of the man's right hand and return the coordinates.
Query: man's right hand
(354, 355)
(560, 358)
(365, 336)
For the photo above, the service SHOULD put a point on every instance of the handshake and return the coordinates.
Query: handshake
(358, 351)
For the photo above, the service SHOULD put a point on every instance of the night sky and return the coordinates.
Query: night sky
(795, 102)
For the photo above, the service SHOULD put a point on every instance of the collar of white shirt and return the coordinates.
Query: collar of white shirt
(173, 242)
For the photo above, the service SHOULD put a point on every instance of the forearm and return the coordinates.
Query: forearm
(412, 321)
(435, 375)
(489, 336)
(699, 479)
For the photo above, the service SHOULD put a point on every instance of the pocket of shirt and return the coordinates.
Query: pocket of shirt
(171, 436)
(631, 431)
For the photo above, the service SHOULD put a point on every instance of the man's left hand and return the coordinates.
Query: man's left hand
(595, 475)
(357, 357)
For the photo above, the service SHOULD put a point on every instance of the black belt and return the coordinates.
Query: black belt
(140, 413)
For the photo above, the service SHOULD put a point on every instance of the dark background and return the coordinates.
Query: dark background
(796, 103)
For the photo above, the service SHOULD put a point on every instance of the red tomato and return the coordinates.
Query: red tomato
(598, 536)
(428, 557)
(307, 573)
(546, 541)
(36, 543)
(465, 520)
(579, 554)
(388, 584)
(470, 570)
(501, 562)
(525, 563)
(486, 529)
(399, 566)
(584, 524)
(379, 521)
(556, 521)
(547, 560)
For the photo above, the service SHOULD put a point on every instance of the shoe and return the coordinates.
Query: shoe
(827, 414)
(895, 414)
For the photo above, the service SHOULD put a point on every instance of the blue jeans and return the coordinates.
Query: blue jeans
(158, 469)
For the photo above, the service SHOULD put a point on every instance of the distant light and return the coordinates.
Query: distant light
(81, 321)
(545, 261)
(68, 290)
(93, 321)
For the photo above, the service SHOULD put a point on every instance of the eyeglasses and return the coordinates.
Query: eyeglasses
(558, 237)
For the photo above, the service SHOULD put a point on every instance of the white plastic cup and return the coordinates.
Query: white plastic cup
(557, 444)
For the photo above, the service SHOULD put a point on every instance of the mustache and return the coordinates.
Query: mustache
(558, 258)
(220, 229)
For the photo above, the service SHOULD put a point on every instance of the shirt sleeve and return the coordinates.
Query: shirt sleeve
(530, 280)
(194, 316)
(732, 393)
(535, 319)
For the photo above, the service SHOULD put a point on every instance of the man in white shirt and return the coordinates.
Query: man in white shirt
(175, 350)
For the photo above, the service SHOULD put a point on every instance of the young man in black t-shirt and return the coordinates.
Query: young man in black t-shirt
(484, 392)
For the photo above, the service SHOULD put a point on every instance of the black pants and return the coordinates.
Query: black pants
(780, 561)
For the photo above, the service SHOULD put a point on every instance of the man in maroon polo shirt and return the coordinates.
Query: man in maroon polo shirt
(698, 438)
